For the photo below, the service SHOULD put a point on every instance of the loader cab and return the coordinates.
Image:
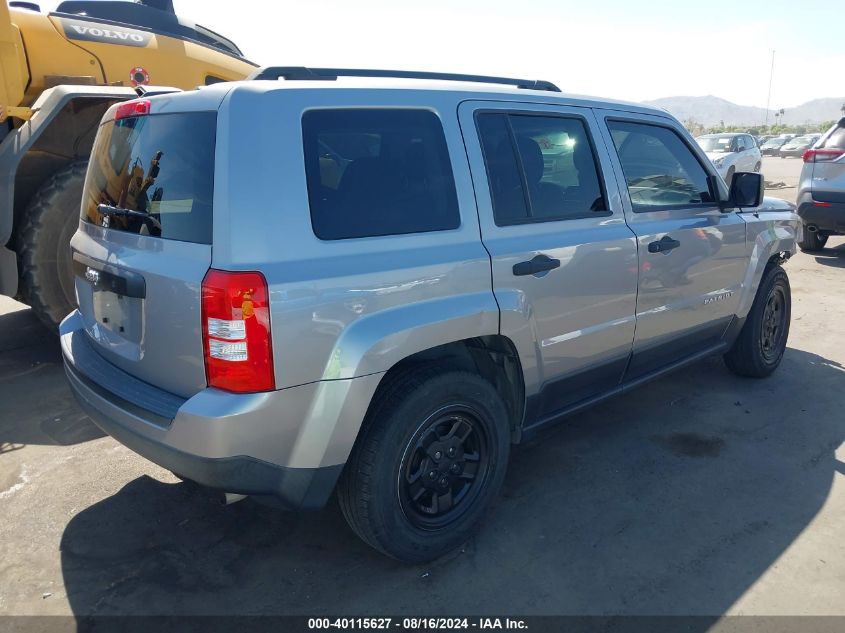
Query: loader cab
(157, 16)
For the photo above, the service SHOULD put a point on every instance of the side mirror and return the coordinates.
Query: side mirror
(746, 190)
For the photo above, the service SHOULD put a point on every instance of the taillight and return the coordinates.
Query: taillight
(136, 107)
(822, 155)
(236, 339)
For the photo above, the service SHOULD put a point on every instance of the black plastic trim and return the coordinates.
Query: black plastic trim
(106, 277)
(302, 73)
(295, 488)
(826, 218)
(112, 383)
(552, 419)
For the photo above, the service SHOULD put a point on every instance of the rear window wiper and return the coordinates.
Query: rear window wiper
(107, 209)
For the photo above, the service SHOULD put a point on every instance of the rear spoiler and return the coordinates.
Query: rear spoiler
(152, 91)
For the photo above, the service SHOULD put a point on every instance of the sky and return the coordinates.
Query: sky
(633, 50)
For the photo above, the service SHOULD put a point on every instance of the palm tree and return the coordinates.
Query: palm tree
(843, 109)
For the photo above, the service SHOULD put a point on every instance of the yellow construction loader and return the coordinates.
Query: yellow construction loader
(59, 72)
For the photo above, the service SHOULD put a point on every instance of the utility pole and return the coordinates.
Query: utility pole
(769, 98)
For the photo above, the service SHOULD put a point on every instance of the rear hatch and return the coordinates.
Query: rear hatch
(827, 161)
(144, 243)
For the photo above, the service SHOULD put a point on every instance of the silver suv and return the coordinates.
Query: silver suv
(377, 286)
(821, 190)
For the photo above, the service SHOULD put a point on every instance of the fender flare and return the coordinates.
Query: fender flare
(773, 234)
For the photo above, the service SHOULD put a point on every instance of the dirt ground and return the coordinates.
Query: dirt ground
(700, 493)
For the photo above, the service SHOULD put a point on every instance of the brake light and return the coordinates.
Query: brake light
(822, 155)
(237, 347)
(136, 107)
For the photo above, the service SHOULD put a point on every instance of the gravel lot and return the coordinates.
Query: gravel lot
(701, 493)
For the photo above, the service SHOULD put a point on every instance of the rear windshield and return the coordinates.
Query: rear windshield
(717, 143)
(156, 176)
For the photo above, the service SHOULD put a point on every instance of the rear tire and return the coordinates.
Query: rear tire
(759, 348)
(812, 241)
(43, 246)
(452, 424)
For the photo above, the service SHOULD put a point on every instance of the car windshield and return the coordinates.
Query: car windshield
(716, 143)
(775, 142)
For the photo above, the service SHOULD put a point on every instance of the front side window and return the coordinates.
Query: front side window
(660, 170)
(377, 172)
(540, 168)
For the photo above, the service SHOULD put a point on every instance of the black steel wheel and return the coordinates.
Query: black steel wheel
(759, 348)
(428, 462)
(773, 328)
(444, 467)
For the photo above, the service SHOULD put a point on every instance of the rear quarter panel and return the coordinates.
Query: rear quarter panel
(344, 308)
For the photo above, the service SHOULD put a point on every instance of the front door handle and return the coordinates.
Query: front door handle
(664, 245)
(539, 264)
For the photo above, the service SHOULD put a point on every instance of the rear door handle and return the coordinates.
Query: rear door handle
(539, 264)
(664, 245)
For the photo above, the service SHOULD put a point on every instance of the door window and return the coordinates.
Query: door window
(540, 168)
(661, 171)
(377, 172)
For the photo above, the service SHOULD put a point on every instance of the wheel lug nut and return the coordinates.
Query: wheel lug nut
(444, 482)
(455, 468)
(432, 474)
(451, 452)
(438, 455)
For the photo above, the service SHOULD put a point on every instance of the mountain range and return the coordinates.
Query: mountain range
(712, 110)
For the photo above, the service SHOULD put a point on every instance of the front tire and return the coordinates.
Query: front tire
(812, 241)
(50, 221)
(429, 460)
(759, 348)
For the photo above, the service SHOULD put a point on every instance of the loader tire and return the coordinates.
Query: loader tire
(50, 220)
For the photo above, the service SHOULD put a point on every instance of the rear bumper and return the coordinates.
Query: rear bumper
(284, 444)
(826, 218)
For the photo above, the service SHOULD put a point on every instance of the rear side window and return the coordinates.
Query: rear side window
(660, 170)
(377, 172)
(836, 140)
(540, 168)
(160, 168)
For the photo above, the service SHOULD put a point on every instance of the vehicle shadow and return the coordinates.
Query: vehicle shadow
(38, 407)
(674, 499)
(832, 257)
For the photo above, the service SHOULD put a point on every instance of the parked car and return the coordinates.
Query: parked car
(731, 153)
(772, 146)
(287, 289)
(821, 189)
(798, 145)
(762, 139)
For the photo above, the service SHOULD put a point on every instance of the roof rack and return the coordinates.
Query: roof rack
(301, 73)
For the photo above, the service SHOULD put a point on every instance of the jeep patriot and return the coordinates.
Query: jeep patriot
(377, 282)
